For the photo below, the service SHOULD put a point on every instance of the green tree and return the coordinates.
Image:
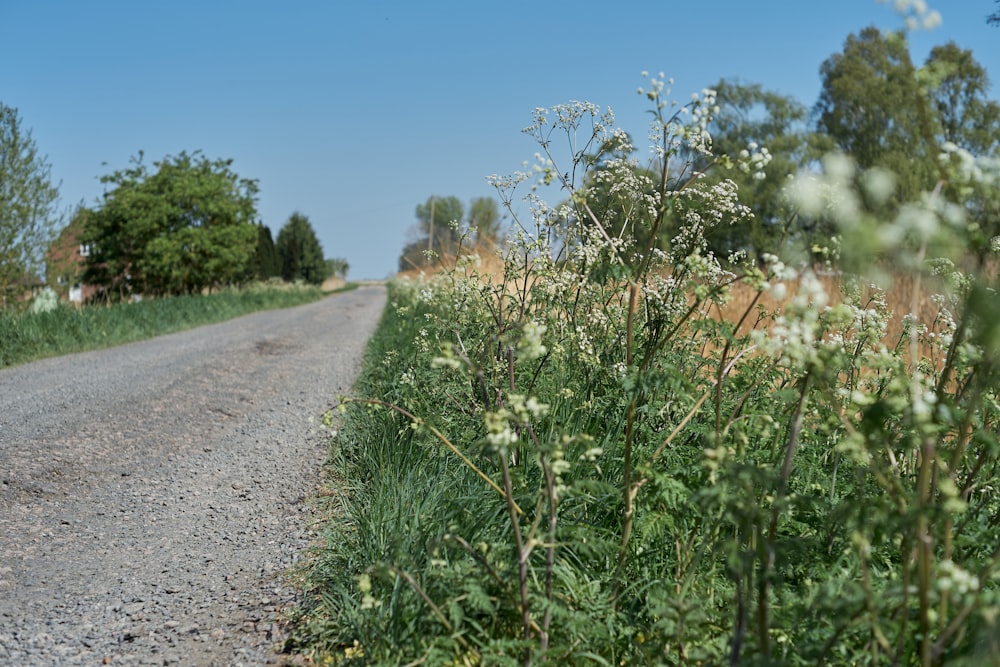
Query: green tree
(185, 227)
(438, 219)
(266, 262)
(438, 230)
(300, 251)
(869, 106)
(337, 267)
(484, 217)
(957, 85)
(28, 217)
(750, 116)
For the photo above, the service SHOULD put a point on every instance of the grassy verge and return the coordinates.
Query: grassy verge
(30, 336)
(604, 452)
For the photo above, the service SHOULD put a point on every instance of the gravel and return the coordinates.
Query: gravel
(153, 496)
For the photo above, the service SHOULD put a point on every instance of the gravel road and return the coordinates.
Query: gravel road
(153, 494)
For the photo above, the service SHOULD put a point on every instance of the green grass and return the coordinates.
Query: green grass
(30, 336)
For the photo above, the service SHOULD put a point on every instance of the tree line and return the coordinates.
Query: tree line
(189, 223)
(183, 224)
(892, 117)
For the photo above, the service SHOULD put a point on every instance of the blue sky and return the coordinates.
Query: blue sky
(355, 112)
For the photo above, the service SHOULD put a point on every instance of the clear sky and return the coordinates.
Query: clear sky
(353, 112)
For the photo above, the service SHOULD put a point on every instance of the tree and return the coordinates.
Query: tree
(957, 85)
(870, 107)
(750, 115)
(28, 217)
(300, 251)
(437, 230)
(266, 262)
(883, 112)
(337, 267)
(484, 217)
(994, 18)
(438, 219)
(185, 227)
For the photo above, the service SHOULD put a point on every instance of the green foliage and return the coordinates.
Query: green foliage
(957, 85)
(442, 229)
(484, 217)
(60, 329)
(906, 133)
(594, 456)
(337, 267)
(751, 117)
(266, 262)
(27, 207)
(300, 251)
(180, 229)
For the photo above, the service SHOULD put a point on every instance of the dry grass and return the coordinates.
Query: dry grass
(904, 296)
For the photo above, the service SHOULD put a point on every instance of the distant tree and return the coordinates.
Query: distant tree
(869, 106)
(484, 217)
(337, 267)
(300, 251)
(186, 226)
(749, 114)
(958, 84)
(266, 262)
(438, 219)
(28, 217)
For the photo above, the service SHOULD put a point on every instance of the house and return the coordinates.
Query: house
(64, 264)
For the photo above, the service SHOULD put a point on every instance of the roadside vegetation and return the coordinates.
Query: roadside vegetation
(62, 329)
(652, 428)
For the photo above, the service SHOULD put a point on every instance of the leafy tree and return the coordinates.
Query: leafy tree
(869, 107)
(750, 116)
(438, 219)
(182, 228)
(300, 251)
(28, 199)
(337, 267)
(877, 108)
(437, 230)
(484, 217)
(957, 85)
(266, 262)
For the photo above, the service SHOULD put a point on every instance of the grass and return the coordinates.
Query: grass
(424, 563)
(30, 336)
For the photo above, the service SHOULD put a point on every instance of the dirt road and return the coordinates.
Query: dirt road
(151, 495)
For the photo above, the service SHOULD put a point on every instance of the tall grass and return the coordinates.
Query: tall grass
(28, 336)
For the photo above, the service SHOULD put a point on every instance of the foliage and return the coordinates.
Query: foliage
(61, 329)
(27, 206)
(751, 117)
(337, 267)
(875, 72)
(180, 229)
(595, 455)
(484, 218)
(300, 251)
(442, 228)
(958, 85)
(266, 262)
